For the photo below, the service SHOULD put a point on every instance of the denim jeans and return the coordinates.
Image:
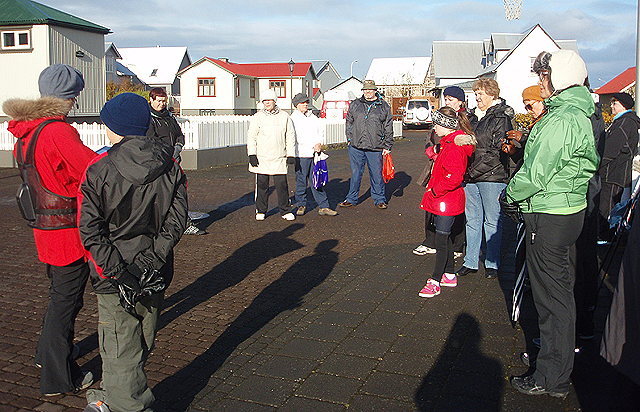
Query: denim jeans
(358, 157)
(304, 167)
(482, 211)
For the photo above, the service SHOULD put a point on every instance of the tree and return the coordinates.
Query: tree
(125, 86)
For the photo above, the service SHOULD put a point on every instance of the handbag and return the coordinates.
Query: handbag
(423, 179)
(388, 172)
(320, 173)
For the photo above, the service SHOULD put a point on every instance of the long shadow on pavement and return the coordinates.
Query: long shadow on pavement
(177, 392)
(462, 379)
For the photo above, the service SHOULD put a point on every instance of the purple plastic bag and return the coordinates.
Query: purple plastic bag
(320, 175)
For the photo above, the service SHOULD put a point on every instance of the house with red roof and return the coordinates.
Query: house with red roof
(218, 86)
(624, 82)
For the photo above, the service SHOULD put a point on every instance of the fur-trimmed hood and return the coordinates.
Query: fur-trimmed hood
(26, 110)
(465, 139)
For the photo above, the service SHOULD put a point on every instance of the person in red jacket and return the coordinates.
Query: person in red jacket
(60, 159)
(444, 197)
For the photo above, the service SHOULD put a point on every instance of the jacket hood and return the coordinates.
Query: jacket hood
(140, 160)
(577, 96)
(26, 110)
(467, 142)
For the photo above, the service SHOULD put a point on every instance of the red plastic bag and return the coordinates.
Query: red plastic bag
(388, 172)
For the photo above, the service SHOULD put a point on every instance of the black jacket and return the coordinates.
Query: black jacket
(165, 127)
(620, 146)
(489, 163)
(133, 210)
(369, 125)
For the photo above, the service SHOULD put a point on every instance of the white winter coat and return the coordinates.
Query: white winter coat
(271, 138)
(309, 132)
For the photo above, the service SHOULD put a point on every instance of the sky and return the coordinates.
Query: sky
(343, 31)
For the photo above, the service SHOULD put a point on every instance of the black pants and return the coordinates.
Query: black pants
(551, 261)
(586, 287)
(458, 234)
(262, 193)
(444, 246)
(59, 371)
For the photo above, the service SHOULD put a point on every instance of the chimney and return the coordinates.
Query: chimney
(224, 59)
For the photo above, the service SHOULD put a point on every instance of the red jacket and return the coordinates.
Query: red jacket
(445, 195)
(61, 159)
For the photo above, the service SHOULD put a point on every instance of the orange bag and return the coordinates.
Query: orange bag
(388, 172)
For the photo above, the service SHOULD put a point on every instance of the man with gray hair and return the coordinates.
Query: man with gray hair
(48, 142)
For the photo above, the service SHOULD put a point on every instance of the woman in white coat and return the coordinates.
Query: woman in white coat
(270, 146)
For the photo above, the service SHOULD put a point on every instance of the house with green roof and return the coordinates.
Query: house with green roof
(34, 36)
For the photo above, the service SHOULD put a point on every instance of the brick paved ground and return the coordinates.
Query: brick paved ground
(320, 314)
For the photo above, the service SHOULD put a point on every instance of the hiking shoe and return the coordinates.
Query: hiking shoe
(451, 283)
(429, 290)
(193, 230)
(301, 210)
(81, 383)
(346, 203)
(260, 216)
(528, 386)
(289, 216)
(325, 211)
(490, 273)
(422, 250)
(381, 205)
(97, 406)
(464, 271)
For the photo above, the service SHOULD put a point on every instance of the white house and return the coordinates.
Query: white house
(34, 36)
(217, 86)
(157, 66)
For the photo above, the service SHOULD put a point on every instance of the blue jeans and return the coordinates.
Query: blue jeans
(304, 167)
(358, 157)
(482, 210)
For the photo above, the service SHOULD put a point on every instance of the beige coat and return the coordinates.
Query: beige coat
(271, 138)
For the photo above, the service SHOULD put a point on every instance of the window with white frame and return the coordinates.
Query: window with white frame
(207, 87)
(252, 88)
(278, 86)
(15, 40)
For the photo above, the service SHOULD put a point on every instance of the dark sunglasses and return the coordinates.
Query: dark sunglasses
(528, 107)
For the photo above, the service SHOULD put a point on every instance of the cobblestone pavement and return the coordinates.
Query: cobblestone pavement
(319, 314)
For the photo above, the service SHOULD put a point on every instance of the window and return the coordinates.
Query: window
(252, 89)
(207, 87)
(278, 86)
(237, 87)
(16, 40)
(154, 72)
(533, 60)
(109, 62)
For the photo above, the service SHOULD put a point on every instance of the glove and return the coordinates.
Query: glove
(291, 160)
(511, 210)
(177, 149)
(253, 160)
(128, 284)
(151, 282)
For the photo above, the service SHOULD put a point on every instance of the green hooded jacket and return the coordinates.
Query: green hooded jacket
(559, 158)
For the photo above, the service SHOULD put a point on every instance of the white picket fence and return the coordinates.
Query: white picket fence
(201, 132)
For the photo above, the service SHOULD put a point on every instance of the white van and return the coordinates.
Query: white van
(336, 104)
(417, 112)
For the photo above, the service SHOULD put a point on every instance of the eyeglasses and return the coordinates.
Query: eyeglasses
(528, 107)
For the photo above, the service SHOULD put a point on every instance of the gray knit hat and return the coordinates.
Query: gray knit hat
(60, 80)
(300, 98)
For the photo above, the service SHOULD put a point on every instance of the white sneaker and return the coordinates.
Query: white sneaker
(260, 216)
(289, 216)
(457, 255)
(422, 250)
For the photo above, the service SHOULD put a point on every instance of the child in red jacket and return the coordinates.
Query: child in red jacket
(444, 197)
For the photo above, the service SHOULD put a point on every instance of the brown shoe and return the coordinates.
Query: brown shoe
(325, 211)
(381, 205)
(301, 210)
(345, 204)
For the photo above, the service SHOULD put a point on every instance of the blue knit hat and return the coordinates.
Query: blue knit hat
(61, 81)
(455, 91)
(127, 114)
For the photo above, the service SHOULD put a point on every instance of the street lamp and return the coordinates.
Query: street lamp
(355, 61)
(292, 65)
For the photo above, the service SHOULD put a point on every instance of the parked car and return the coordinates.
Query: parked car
(336, 104)
(417, 112)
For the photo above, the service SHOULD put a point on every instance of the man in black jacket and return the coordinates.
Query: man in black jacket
(620, 146)
(369, 129)
(163, 125)
(133, 212)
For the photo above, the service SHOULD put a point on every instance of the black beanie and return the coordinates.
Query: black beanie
(127, 114)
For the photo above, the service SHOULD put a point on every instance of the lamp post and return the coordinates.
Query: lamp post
(292, 65)
(355, 61)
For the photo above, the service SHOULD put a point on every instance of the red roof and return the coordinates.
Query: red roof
(263, 69)
(620, 82)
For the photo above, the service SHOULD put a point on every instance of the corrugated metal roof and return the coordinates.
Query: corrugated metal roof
(143, 61)
(18, 12)
(457, 59)
(619, 83)
(399, 70)
(505, 41)
(568, 45)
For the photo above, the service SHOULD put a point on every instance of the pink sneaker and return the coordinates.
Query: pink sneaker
(449, 283)
(429, 290)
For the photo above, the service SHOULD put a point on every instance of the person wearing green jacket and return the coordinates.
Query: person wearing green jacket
(550, 190)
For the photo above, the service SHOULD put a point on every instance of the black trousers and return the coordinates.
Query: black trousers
(59, 371)
(458, 233)
(444, 246)
(551, 262)
(262, 193)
